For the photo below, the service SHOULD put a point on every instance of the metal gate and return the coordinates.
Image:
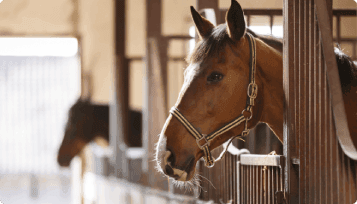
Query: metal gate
(260, 178)
(317, 170)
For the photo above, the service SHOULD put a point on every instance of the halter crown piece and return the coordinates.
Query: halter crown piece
(203, 140)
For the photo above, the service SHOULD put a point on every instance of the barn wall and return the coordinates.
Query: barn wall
(37, 17)
(95, 24)
(96, 28)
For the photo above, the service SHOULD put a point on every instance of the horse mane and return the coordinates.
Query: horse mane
(347, 70)
(275, 42)
(346, 67)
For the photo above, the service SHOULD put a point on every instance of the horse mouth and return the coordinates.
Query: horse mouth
(63, 162)
(189, 170)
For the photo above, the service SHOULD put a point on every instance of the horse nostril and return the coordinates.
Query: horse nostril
(171, 159)
(169, 171)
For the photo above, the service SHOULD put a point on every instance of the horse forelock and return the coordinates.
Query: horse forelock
(210, 46)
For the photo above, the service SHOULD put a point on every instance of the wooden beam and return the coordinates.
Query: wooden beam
(120, 107)
(155, 92)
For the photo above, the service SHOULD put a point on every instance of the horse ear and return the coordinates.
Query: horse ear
(204, 26)
(235, 21)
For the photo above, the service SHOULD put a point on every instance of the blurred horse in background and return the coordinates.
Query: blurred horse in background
(90, 122)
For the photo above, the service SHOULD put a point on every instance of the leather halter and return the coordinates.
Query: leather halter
(203, 140)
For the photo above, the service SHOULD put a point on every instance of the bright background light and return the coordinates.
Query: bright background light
(263, 30)
(18, 46)
(192, 33)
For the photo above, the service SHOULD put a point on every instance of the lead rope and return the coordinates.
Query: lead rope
(206, 139)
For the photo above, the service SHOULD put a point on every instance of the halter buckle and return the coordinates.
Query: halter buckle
(248, 110)
(252, 90)
(206, 142)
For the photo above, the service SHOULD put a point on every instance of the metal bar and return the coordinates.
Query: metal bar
(262, 185)
(244, 172)
(269, 190)
(250, 185)
(291, 182)
(253, 183)
(278, 176)
(310, 135)
(343, 177)
(272, 185)
(261, 160)
(231, 173)
(239, 172)
(304, 151)
(265, 186)
(257, 184)
(349, 180)
(235, 175)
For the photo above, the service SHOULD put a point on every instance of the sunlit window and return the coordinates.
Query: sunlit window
(59, 47)
(192, 33)
(39, 80)
(265, 30)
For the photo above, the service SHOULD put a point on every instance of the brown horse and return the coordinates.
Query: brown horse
(88, 122)
(85, 122)
(215, 89)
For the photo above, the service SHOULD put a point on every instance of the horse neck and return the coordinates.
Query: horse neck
(101, 121)
(271, 94)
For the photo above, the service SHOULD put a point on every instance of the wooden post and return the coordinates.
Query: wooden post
(155, 101)
(119, 109)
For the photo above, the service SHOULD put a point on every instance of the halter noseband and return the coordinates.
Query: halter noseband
(203, 140)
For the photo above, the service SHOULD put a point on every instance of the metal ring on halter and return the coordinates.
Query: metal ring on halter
(212, 164)
(250, 111)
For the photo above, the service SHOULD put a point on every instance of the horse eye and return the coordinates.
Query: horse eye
(215, 77)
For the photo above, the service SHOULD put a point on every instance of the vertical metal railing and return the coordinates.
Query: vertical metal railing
(317, 170)
(260, 179)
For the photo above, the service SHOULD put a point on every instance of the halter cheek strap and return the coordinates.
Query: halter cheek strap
(203, 140)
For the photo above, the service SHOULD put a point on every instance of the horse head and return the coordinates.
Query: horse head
(214, 94)
(77, 130)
